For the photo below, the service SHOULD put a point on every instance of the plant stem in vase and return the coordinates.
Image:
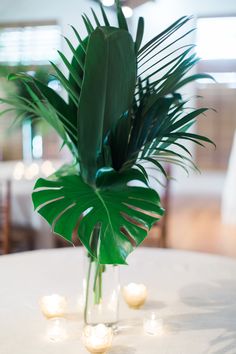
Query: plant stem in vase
(101, 293)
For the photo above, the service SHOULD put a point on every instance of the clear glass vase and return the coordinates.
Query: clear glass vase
(101, 293)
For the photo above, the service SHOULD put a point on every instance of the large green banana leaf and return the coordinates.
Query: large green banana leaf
(107, 92)
(123, 213)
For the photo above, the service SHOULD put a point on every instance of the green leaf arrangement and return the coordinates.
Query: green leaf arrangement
(124, 110)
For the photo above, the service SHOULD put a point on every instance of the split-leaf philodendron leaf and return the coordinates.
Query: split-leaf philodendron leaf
(123, 110)
(123, 213)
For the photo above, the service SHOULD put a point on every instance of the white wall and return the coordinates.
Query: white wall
(68, 11)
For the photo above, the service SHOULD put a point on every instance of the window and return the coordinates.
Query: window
(227, 78)
(216, 45)
(29, 44)
(216, 38)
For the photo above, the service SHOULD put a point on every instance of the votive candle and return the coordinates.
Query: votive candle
(56, 329)
(135, 295)
(153, 324)
(53, 305)
(97, 339)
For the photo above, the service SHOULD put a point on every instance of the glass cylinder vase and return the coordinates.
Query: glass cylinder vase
(101, 293)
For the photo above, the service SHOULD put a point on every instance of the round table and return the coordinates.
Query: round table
(194, 294)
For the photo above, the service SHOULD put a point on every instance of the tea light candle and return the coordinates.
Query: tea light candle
(53, 305)
(135, 295)
(153, 324)
(56, 330)
(97, 339)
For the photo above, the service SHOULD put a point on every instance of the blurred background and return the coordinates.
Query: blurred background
(200, 208)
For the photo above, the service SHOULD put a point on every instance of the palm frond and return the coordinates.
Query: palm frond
(139, 34)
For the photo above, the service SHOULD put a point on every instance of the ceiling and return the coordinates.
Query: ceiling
(132, 3)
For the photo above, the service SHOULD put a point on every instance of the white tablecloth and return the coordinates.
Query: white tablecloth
(195, 295)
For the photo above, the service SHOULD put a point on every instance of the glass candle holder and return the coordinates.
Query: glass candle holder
(56, 329)
(97, 339)
(135, 295)
(53, 305)
(153, 324)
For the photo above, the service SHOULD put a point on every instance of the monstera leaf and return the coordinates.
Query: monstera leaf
(122, 213)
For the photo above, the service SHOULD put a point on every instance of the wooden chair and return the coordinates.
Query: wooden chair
(158, 234)
(5, 216)
(13, 238)
(163, 223)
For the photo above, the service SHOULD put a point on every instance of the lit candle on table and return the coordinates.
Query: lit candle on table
(97, 339)
(135, 295)
(153, 324)
(19, 171)
(53, 305)
(31, 171)
(47, 168)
